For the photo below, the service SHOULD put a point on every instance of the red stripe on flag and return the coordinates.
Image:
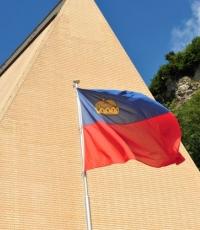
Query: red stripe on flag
(153, 141)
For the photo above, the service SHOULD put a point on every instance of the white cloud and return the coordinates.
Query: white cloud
(191, 28)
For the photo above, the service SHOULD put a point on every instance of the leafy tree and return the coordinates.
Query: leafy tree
(189, 118)
(192, 56)
(158, 85)
(192, 52)
(169, 56)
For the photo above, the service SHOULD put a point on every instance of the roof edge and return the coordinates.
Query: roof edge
(34, 34)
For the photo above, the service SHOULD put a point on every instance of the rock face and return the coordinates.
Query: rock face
(182, 89)
(186, 88)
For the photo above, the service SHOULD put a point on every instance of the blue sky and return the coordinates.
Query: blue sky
(146, 29)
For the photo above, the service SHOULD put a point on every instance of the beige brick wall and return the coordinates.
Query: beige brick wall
(40, 162)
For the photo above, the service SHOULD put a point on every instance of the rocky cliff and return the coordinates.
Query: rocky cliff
(184, 88)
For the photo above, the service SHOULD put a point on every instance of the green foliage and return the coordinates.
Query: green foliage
(178, 65)
(157, 86)
(189, 119)
(192, 56)
(173, 107)
(169, 56)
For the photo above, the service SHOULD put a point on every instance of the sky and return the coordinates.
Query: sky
(147, 29)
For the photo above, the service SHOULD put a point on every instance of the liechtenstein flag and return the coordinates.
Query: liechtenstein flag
(121, 125)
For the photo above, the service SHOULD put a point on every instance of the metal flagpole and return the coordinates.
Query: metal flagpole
(87, 200)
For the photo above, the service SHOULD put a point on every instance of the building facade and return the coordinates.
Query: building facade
(40, 158)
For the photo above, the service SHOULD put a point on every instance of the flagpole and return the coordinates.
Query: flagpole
(84, 174)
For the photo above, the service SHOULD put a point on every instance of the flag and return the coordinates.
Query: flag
(121, 125)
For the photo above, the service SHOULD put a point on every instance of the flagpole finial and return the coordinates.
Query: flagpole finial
(75, 83)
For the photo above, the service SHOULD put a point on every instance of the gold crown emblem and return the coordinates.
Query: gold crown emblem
(106, 107)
